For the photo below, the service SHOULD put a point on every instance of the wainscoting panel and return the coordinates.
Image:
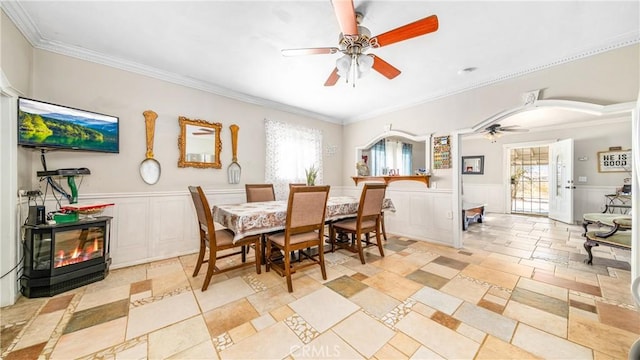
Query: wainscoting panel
(421, 215)
(151, 226)
(493, 195)
(586, 199)
(171, 222)
(129, 230)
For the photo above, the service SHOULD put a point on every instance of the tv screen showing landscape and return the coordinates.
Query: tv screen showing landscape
(45, 125)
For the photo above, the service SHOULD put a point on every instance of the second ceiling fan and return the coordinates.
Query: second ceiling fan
(355, 40)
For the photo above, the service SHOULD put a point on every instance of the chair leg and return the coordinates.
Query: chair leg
(359, 246)
(263, 242)
(210, 269)
(245, 250)
(287, 270)
(258, 256)
(332, 234)
(379, 240)
(384, 232)
(267, 256)
(321, 260)
(203, 249)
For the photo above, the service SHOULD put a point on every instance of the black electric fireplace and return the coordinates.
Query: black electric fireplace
(64, 256)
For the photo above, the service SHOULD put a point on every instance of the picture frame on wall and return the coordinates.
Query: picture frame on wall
(473, 165)
(614, 161)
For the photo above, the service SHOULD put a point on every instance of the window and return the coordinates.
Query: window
(391, 157)
(290, 149)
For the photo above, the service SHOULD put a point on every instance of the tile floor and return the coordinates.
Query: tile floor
(518, 289)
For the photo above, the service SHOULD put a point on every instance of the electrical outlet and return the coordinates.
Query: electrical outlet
(449, 215)
(32, 193)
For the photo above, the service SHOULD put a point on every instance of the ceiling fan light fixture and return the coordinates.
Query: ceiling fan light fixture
(343, 64)
(492, 136)
(365, 63)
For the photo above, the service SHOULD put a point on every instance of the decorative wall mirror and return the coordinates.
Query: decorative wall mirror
(199, 143)
(399, 153)
(473, 165)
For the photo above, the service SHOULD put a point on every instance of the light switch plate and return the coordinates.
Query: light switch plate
(582, 179)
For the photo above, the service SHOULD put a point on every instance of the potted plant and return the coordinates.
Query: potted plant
(311, 174)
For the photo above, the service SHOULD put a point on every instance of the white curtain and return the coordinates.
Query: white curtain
(290, 149)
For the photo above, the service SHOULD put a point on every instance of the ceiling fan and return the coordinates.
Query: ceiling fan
(355, 40)
(494, 131)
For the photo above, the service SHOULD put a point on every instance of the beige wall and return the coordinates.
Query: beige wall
(16, 62)
(607, 78)
(588, 140)
(15, 55)
(68, 81)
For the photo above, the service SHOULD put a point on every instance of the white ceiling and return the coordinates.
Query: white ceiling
(232, 48)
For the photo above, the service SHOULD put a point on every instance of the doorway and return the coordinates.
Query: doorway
(529, 174)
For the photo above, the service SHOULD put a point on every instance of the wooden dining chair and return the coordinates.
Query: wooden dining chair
(218, 240)
(366, 222)
(260, 192)
(304, 230)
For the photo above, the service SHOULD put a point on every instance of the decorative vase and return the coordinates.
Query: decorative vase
(363, 169)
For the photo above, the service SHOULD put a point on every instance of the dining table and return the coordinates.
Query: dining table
(253, 218)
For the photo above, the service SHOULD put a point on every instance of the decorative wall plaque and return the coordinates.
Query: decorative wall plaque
(441, 152)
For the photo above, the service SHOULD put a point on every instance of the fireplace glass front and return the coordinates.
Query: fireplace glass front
(65, 256)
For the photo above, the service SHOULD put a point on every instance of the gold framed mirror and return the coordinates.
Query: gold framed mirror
(199, 143)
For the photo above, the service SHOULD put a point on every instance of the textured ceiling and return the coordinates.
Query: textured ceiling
(232, 48)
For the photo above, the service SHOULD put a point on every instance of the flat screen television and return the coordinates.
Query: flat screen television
(50, 126)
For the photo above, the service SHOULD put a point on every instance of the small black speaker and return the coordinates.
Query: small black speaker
(37, 215)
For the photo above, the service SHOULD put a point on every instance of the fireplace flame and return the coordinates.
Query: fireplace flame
(78, 255)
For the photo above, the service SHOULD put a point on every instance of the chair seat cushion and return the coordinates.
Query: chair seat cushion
(295, 239)
(224, 237)
(620, 238)
(606, 219)
(351, 224)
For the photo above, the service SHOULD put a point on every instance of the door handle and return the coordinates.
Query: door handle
(569, 187)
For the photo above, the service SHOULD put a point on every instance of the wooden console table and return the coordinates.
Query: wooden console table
(387, 179)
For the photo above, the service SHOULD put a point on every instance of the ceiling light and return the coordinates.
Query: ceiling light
(493, 136)
(354, 66)
(467, 70)
(343, 64)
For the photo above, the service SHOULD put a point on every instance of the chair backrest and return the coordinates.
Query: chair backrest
(260, 192)
(306, 208)
(203, 211)
(371, 200)
(296, 184)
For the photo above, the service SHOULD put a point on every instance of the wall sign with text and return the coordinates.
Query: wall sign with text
(614, 161)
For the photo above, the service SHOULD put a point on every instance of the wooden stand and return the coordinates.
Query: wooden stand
(387, 179)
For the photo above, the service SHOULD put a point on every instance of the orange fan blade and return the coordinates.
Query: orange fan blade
(346, 14)
(416, 28)
(309, 51)
(333, 78)
(384, 68)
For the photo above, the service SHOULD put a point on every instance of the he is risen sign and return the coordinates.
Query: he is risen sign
(614, 161)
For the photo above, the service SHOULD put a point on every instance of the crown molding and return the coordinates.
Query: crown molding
(27, 27)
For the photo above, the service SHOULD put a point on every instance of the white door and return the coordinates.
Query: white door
(561, 181)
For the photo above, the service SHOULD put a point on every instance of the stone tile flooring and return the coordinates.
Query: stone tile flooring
(518, 289)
